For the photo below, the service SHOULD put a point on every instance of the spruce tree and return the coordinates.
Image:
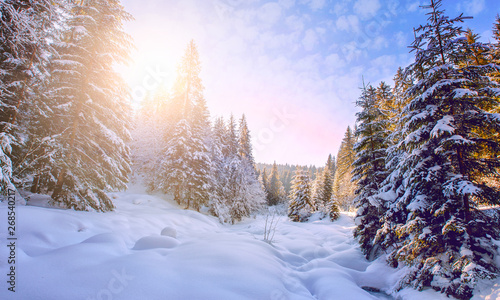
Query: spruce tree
(245, 145)
(235, 189)
(219, 204)
(175, 169)
(254, 195)
(200, 165)
(188, 89)
(369, 167)
(332, 165)
(317, 191)
(188, 101)
(91, 119)
(263, 179)
(25, 30)
(343, 188)
(276, 192)
(300, 206)
(446, 147)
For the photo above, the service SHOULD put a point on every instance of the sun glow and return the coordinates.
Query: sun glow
(155, 57)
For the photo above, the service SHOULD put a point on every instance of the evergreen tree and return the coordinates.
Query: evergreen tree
(90, 121)
(323, 187)
(188, 100)
(447, 147)
(25, 29)
(199, 182)
(263, 179)
(317, 191)
(276, 192)
(188, 88)
(245, 145)
(476, 53)
(326, 186)
(236, 190)
(331, 164)
(343, 188)
(287, 181)
(176, 166)
(322, 192)
(369, 167)
(219, 204)
(252, 195)
(300, 207)
(493, 55)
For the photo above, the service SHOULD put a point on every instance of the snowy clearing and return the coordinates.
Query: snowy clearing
(148, 248)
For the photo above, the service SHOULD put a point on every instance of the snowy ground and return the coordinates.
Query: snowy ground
(150, 249)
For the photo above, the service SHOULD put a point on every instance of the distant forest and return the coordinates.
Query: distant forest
(286, 171)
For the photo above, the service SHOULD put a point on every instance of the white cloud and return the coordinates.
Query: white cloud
(315, 4)
(286, 3)
(366, 8)
(270, 13)
(340, 8)
(310, 40)
(295, 23)
(473, 7)
(400, 39)
(334, 62)
(350, 51)
(379, 42)
(348, 23)
(413, 6)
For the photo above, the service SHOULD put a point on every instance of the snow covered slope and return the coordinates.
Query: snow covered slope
(150, 249)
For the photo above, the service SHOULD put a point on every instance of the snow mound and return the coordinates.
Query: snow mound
(104, 238)
(169, 231)
(152, 242)
(64, 254)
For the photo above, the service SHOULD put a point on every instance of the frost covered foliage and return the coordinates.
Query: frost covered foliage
(25, 27)
(343, 186)
(181, 153)
(447, 160)
(300, 206)
(275, 191)
(185, 162)
(89, 122)
(369, 167)
(63, 112)
(322, 192)
(236, 191)
(333, 210)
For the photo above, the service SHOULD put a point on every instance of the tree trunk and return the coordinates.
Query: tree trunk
(34, 186)
(59, 185)
(177, 196)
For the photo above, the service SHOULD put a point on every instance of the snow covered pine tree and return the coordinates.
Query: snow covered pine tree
(343, 187)
(275, 190)
(369, 166)
(90, 122)
(24, 30)
(300, 207)
(448, 148)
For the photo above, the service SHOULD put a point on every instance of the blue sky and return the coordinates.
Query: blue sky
(294, 67)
